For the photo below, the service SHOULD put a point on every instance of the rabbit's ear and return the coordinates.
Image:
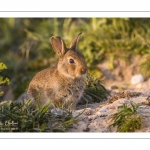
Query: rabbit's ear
(58, 45)
(74, 42)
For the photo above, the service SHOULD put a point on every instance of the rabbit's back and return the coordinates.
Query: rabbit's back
(42, 85)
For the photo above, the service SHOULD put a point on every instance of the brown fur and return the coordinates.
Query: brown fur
(64, 84)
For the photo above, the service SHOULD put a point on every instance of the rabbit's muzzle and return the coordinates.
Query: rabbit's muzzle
(83, 70)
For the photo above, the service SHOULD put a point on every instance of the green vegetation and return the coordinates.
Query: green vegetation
(94, 91)
(23, 117)
(2, 80)
(127, 119)
(25, 46)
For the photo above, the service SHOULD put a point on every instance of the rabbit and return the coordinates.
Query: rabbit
(64, 84)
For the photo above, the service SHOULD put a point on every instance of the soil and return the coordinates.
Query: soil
(97, 117)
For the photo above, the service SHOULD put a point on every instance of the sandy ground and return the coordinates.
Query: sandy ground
(97, 116)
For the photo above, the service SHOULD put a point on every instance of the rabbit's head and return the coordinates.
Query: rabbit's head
(71, 62)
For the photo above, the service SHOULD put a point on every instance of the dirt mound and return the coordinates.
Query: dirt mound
(97, 117)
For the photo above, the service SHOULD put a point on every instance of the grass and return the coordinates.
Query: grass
(94, 91)
(23, 117)
(127, 119)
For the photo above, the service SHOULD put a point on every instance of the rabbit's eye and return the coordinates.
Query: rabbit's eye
(71, 61)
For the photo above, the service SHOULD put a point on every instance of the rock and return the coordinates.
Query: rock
(88, 111)
(104, 109)
(57, 111)
(92, 117)
(80, 127)
(136, 79)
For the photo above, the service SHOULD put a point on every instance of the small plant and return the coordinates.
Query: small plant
(23, 117)
(2, 80)
(94, 91)
(145, 65)
(127, 119)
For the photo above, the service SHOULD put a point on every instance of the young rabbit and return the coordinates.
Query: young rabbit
(64, 84)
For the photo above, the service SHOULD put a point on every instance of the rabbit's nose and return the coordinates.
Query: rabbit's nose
(83, 70)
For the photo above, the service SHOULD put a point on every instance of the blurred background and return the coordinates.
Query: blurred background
(114, 48)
